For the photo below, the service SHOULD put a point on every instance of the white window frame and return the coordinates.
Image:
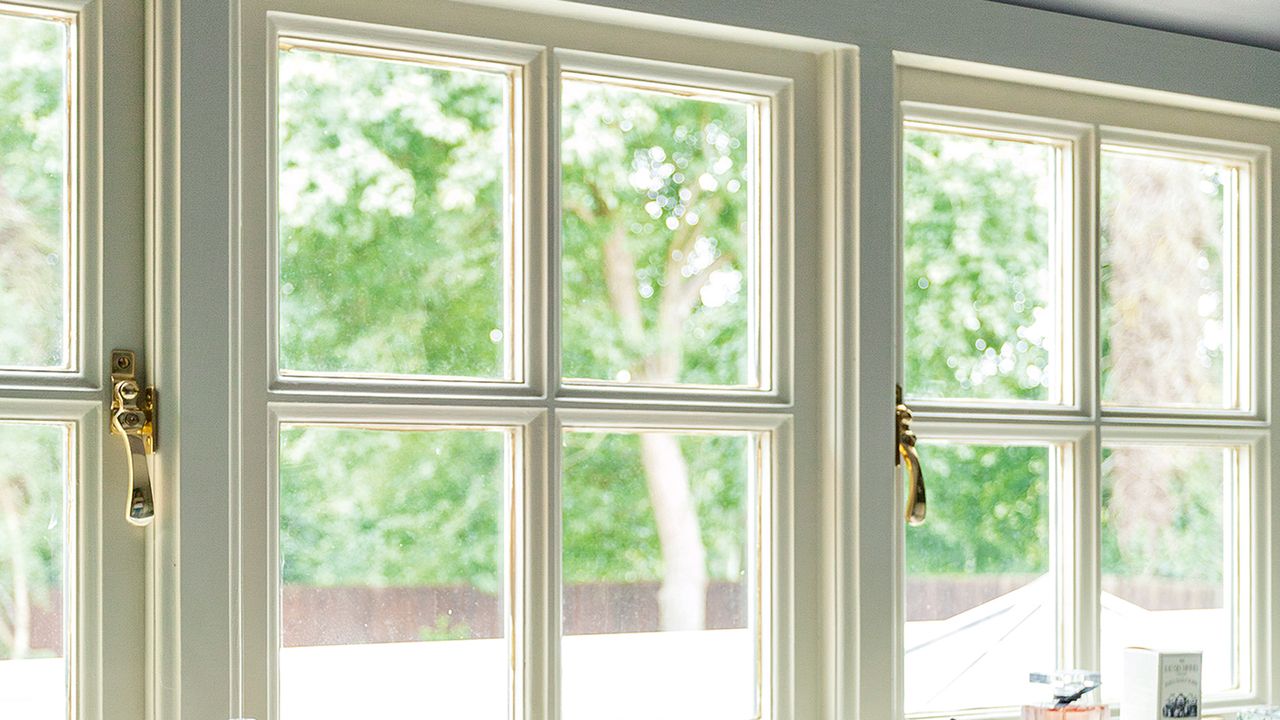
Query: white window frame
(974, 95)
(538, 406)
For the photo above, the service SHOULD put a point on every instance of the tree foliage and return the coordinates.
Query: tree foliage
(33, 317)
(393, 260)
(392, 508)
(992, 511)
(656, 197)
(33, 527)
(33, 173)
(976, 266)
(608, 520)
(393, 217)
(978, 323)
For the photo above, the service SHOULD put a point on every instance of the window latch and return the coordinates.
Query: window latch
(133, 415)
(910, 460)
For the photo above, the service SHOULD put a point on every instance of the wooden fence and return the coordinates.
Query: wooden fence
(346, 615)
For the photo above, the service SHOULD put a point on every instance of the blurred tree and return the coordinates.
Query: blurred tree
(394, 235)
(976, 290)
(1164, 340)
(393, 217)
(33, 475)
(33, 261)
(392, 250)
(976, 267)
(978, 324)
(655, 190)
(992, 511)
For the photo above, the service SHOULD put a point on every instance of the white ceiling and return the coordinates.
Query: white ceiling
(1252, 22)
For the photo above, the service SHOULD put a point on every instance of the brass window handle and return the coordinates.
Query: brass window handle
(132, 417)
(907, 456)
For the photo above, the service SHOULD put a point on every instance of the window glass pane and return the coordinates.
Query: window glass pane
(979, 597)
(660, 576)
(660, 232)
(392, 547)
(1167, 315)
(395, 215)
(36, 257)
(979, 218)
(1167, 534)
(34, 528)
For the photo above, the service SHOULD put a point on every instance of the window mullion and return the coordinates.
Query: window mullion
(535, 584)
(1087, 271)
(1085, 579)
(1080, 569)
(542, 692)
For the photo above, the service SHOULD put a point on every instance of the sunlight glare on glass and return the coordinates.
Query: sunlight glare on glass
(1168, 554)
(1168, 312)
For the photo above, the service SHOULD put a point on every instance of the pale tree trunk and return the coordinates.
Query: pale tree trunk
(18, 632)
(682, 597)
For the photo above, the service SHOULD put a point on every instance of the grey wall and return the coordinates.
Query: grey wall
(1008, 35)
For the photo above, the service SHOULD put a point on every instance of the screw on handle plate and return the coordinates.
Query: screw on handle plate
(132, 417)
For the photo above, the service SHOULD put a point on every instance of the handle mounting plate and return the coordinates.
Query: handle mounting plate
(132, 417)
(909, 458)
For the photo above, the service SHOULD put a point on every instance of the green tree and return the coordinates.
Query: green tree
(33, 164)
(976, 303)
(976, 281)
(396, 243)
(33, 478)
(392, 253)
(977, 290)
(393, 217)
(33, 260)
(656, 243)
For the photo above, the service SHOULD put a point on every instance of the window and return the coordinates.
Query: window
(37, 275)
(531, 361)
(393, 568)
(71, 565)
(1082, 374)
(684, 223)
(399, 170)
(36, 510)
(520, 413)
(36, 335)
(993, 309)
(662, 560)
(1175, 216)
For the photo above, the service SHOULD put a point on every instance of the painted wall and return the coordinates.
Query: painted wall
(999, 34)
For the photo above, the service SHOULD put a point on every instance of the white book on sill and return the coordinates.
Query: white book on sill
(1161, 684)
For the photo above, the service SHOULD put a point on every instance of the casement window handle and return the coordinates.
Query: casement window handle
(910, 460)
(133, 415)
